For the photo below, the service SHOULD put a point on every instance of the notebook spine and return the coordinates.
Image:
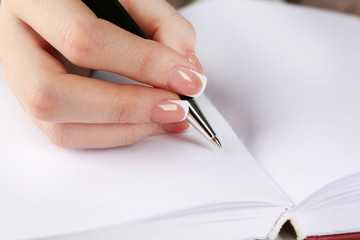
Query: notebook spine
(286, 217)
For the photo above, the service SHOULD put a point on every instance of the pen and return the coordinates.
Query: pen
(114, 12)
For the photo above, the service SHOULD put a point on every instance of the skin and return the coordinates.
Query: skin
(48, 47)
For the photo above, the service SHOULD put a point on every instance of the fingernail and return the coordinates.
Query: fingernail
(170, 111)
(186, 81)
(195, 61)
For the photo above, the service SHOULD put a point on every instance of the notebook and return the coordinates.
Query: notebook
(283, 97)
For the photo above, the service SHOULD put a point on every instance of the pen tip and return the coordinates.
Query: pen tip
(216, 141)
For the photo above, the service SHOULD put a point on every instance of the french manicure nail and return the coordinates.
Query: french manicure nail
(186, 81)
(170, 111)
(195, 61)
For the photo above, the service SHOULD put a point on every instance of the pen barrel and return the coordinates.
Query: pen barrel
(197, 119)
(114, 12)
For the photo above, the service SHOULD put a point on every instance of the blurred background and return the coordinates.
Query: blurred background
(348, 6)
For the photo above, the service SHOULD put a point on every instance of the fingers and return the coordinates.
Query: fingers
(89, 42)
(33, 73)
(164, 24)
(79, 112)
(49, 94)
(175, 127)
(90, 136)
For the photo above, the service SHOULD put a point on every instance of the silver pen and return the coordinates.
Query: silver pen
(197, 119)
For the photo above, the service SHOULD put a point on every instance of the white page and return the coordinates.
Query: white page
(45, 190)
(287, 80)
(334, 209)
(245, 223)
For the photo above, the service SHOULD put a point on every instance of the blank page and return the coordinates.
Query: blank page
(287, 80)
(333, 209)
(45, 190)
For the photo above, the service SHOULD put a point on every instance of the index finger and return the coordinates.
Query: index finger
(164, 24)
(89, 42)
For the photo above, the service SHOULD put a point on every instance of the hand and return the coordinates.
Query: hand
(44, 43)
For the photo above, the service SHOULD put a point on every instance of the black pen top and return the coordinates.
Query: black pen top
(114, 12)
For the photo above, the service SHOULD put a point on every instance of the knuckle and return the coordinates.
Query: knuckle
(122, 115)
(41, 102)
(133, 135)
(124, 108)
(79, 41)
(60, 136)
(149, 59)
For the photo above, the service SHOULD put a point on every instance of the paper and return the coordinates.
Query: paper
(45, 190)
(286, 78)
(281, 79)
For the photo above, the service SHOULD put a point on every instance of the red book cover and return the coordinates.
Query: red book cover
(347, 236)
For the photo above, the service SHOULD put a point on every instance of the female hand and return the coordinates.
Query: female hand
(43, 43)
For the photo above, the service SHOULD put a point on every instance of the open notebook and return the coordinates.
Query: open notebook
(283, 96)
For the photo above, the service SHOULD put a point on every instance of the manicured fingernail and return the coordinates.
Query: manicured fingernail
(186, 81)
(170, 111)
(195, 61)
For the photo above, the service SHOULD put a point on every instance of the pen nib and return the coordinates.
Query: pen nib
(216, 141)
